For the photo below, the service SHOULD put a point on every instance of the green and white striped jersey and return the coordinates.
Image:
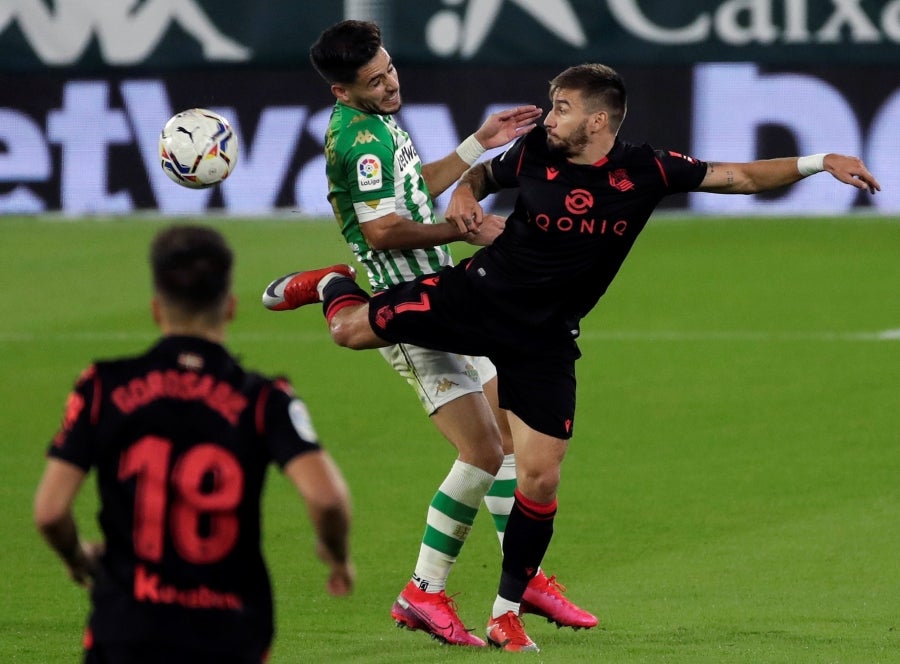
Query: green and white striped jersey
(373, 169)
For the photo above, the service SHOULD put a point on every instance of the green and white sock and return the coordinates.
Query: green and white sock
(499, 499)
(450, 517)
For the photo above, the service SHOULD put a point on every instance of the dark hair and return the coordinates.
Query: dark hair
(600, 86)
(191, 266)
(342, 49)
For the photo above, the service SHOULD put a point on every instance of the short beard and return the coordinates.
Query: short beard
(573, 145)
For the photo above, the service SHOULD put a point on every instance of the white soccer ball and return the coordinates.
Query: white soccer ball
(198, 148)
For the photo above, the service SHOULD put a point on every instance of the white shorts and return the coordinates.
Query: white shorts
(436, 376)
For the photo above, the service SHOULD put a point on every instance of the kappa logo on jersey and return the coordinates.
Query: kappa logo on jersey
(365, 137)
(368, 173)
(618, 179)
(579, 201)
(683, 156)
(552, 172)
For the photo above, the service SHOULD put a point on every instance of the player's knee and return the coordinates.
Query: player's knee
(538, 484)
(488, 456)
(343, 333)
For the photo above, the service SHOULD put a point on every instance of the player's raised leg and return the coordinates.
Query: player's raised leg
(297, 289)
(344, 303)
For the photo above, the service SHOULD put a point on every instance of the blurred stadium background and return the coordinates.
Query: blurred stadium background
(85, 87)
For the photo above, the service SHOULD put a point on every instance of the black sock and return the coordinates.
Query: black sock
(528, 533)
(339, 293)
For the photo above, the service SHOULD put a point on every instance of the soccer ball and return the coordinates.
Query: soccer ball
(198, 148)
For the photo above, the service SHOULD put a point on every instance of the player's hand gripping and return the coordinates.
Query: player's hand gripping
(504, 126)
(465, 212)
(851, 170)
(491, 227)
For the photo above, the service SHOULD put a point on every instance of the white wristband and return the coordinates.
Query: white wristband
(470, 150)
(814, 163)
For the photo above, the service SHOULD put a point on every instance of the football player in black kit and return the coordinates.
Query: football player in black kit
(584, 195)
(181, 437)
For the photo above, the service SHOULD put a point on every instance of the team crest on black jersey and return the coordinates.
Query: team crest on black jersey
(618, 179)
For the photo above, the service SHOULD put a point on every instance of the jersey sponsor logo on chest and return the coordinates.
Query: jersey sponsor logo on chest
(579, 203)
(406, 155)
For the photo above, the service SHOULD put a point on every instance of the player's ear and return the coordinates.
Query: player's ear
(600, 120)
(340, 92)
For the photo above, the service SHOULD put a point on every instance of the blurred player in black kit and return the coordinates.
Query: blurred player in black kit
(584, 195)
(181, 438)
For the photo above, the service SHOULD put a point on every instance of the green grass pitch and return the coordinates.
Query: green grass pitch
(732, 492)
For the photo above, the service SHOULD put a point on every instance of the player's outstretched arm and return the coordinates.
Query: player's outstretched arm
(767, 174)
(499, 129)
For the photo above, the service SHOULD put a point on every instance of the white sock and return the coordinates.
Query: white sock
(503, 606)
(324, 282)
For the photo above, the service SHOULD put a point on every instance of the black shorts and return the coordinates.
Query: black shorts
(448, 312)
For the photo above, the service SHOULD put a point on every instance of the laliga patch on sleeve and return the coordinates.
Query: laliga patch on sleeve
(302, 421)
(368, 172)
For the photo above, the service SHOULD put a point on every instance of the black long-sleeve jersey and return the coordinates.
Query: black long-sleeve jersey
(181, 438)
(573, 225)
